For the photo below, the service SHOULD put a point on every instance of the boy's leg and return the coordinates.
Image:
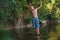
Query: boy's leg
(37, 26)
(38, 37)
(37, 31)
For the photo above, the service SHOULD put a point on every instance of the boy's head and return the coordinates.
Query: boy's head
(31, 6)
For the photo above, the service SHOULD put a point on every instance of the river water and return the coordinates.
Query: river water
(46, 33)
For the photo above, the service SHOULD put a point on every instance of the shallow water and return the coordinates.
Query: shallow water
(29, 33)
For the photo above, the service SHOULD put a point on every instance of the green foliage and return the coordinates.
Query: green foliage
(27, 20)
(9, 9)
(58, 5)
(42, 14)
(18, 7)
(24, 3)
(29, 1)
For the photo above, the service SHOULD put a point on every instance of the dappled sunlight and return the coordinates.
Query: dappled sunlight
(49, 6)
(53, 1)
(57, 13)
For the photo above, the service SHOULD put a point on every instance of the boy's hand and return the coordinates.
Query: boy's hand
(41, 1)
(40, 5)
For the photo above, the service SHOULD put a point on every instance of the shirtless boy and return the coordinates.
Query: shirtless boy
(35, 20)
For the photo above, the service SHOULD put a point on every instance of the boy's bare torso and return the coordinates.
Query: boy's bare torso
(34, 13)
(34, 10)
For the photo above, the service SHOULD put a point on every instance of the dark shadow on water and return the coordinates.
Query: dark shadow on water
(38, 37)
(25, 34)
(29, 33)
(58, 38)
(51, 27)
(6, 35)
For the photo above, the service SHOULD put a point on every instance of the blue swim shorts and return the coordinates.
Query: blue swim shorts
(35, 22)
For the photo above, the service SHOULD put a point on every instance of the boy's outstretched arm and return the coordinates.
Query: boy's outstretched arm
(39, 5)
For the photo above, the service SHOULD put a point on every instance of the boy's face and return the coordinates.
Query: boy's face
(32, 7)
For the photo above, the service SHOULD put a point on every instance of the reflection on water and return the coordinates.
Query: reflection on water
(6, 35)
(29, 33)
(38, 37)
